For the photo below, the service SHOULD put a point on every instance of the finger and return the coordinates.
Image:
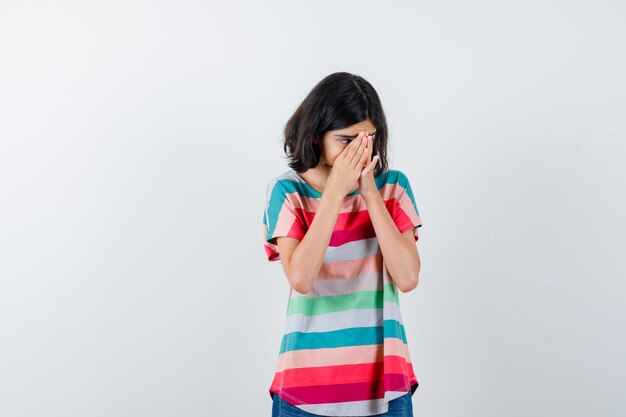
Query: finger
(358, 140)
(364, 159)
(357, 158)
(372, 165)
(350, 150)
(366, 171)
(354, 162)
(352, 154)
(370, 147)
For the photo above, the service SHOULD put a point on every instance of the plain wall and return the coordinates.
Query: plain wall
(136, 142)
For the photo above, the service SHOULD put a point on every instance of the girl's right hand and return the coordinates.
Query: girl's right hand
(347, 167)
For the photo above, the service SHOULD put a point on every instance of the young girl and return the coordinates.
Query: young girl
(345, 229)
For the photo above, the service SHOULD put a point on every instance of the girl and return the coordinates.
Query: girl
(344, 228)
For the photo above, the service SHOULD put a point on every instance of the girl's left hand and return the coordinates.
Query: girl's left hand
(366, 180)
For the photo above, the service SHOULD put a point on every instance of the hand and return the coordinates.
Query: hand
(348, 166)
(367, 183)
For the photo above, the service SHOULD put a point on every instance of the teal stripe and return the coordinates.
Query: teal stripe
(275, 204)
(403, 181)
(356, 336)
(279, 193)
(394, 328)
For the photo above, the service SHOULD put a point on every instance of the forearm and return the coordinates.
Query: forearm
(308, 257)
(400, 255)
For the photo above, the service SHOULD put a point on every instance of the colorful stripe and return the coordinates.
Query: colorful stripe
(354, 336)
(344, 350)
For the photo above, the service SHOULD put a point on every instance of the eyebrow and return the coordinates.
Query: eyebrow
(353, 136)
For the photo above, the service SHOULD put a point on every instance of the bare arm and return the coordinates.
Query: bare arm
(399, 249)
(303, 259)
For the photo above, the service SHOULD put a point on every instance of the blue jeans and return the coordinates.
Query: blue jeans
(399, 407)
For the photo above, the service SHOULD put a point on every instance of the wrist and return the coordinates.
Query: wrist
(332, 195)
(370, 194)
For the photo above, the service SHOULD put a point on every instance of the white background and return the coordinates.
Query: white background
(136, 142)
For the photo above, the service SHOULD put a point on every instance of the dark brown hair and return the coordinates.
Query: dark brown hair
(340, 100)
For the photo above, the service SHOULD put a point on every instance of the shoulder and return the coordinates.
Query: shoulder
(394, 176)
(283, 181)
(283, 187)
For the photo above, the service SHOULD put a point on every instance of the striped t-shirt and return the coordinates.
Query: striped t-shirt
(344, 350)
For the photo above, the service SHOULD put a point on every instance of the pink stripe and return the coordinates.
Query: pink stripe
(395, 346)
(342, 355)
(351, 268)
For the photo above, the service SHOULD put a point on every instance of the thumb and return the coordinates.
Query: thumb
(371, 165)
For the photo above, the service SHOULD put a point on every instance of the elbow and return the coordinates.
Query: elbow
(409, 285)
(412, 277)
(300, 284)
(297, 281)
(301, 288)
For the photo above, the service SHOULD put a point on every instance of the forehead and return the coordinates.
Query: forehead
(366, 125)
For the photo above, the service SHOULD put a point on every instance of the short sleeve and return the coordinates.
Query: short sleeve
(282, 216)
(405, 213)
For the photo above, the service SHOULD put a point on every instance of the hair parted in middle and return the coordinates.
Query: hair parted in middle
(339, 100)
